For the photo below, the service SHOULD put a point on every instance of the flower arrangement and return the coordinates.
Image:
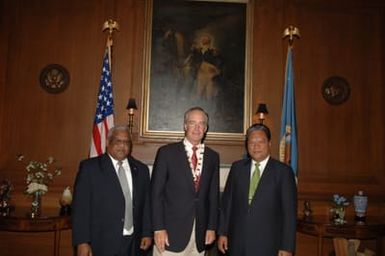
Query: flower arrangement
(39, 174)
(339, 201)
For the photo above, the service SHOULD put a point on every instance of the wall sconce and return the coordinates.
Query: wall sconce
(131, 106)
(262, 112)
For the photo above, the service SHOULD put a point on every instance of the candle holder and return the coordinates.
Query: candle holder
(131, 106)
(262, 112)
(65, 202)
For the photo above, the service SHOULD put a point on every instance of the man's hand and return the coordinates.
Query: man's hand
(284, 253)
(84, 249)
(222, 244)
(210, 236)
(145, 243)
(161, 239)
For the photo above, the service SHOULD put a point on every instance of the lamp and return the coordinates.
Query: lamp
(262, 112)
(131, 106)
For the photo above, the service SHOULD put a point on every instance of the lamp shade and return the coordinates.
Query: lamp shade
(131, 104)
(262, 108)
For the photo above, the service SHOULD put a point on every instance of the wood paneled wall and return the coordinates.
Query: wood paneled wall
(341, 148)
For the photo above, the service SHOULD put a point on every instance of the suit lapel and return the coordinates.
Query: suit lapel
(265, 175)
(109, 173)
(245, 180)
(205, 165)
(107, 167)
(134, 175)
(185, 165)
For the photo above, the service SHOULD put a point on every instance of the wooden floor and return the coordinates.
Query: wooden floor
(21, 244)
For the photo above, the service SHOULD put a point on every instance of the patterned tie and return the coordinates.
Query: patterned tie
(194, 158)
(254, 182)
(128, 220)
(194, 161)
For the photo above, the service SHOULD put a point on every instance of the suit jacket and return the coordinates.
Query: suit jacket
(268, 224)
(99, 205)
(175, 203)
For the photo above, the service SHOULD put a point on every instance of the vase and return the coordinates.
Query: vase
(339, 215)
(360, 205)
(36, 204)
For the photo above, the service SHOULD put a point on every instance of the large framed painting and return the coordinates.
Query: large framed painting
(197, 53)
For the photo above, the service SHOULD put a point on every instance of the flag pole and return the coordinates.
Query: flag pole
(104, 114)
(288, 148)
(110, 26)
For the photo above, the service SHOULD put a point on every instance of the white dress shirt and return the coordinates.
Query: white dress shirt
(262, 166)
(127, 169)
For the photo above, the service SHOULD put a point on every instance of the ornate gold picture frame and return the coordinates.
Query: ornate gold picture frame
(197, 53)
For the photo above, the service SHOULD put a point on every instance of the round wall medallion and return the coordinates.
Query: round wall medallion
(336, 90)
(54, 78)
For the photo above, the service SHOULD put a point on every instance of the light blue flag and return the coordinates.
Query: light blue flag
(288, 151)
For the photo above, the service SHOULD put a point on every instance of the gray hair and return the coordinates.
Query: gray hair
(113, 130)
(187, 113)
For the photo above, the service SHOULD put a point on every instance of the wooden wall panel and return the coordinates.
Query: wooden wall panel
(341, 148)
(339, 144)
(4, 32)
(269, 64)
(36, 123)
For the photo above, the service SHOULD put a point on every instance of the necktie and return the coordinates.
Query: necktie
(254, 182)
(194, 161)
(128, 221)
(194, 158)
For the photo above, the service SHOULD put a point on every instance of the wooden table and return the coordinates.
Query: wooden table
(41, 224)
(321, 227)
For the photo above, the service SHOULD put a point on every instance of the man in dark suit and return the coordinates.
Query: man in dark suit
(259, 204)
(110, 218)
(185, 191)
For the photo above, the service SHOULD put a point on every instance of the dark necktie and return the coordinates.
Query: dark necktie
(254, 182)
(194, 161)
(128, 221)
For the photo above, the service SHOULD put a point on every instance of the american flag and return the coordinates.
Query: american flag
(104, 117)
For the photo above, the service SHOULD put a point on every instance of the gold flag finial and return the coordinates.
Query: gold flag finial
(110, 25)
(291, 32)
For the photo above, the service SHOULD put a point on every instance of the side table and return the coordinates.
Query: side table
(321, 227)
(42, 224)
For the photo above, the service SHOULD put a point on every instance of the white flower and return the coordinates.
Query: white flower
(50, 160)
(34, 187)
(38, 174)
(20, 157)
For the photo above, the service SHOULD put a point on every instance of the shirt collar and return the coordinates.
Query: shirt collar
(262, 164)
(189, 146)
(115, 161)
